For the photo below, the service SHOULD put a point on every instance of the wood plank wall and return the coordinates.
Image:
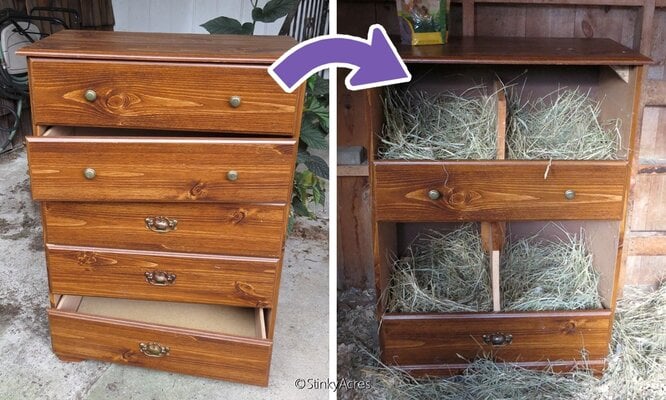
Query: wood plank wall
(640, 24)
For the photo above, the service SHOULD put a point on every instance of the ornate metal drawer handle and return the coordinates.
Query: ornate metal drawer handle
(161, 224)
(153, 349)
(160, 278)
(498, 339)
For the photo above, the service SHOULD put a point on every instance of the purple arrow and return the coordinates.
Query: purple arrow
(374, 62)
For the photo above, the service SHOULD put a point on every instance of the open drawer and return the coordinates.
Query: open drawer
(210, 340)
(91, 164)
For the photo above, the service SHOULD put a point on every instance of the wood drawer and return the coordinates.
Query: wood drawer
(442, 341)
(244, 230)
(236, 281)
(161, 95)
(159, 169)
(214, 341)
(498, 191)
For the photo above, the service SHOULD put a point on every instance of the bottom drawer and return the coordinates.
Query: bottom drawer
(208, 340)
(443, 343)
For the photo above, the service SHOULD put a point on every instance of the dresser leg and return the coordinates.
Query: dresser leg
(69, 358)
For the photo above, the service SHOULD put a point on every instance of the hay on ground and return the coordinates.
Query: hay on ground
(444, 272)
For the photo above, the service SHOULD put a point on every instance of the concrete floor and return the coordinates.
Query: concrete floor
(29, 370)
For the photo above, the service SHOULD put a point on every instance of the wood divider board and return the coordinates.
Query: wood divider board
(492, 233)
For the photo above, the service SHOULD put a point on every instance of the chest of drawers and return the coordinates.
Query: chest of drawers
(523, 197)
(164, 165)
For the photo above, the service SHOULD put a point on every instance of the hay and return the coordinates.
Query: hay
(637, 366)
(445, 272)
(483, 379)
(539, 275)
(563, 125)
(445, 126)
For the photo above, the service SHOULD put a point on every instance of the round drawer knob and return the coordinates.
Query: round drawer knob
(235, 101)
(90, 95)
(434, 194)
(89, 173)
(232, 175)
(570, 194)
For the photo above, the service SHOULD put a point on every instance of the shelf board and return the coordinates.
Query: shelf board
(524, 51)
(353, 170)
(647, 243)
(651, 166)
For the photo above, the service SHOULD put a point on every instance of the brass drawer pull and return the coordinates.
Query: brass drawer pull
(498, 339)
(235, 101)
(434, 194)
(89, 173)
(153, 349)
(160, 278)
(90, 95)
(161, 224)
(570, 194)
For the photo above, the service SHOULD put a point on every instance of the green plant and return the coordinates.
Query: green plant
(311, 170)
(272, 11)
(309, 187)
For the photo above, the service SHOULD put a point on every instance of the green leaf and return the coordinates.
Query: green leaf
(302, 156)
(318, 166)
(275, 9)
(318, 86)
(312, 135)
(247, 28)
(300, 208)
(319, 113)
(223, 25)
(257, 14)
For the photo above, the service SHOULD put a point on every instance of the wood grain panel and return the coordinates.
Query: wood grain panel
(236, 281)
(531, 51)
(244, 230)
(354, 233)
(77, 336)
(410, 339)
(144, 46)
(160, 96)
(498, 191)
(153, 169)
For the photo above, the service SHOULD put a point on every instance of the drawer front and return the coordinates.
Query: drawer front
(498, 191)
(190, 352)
(429, 339)
(243, 230)
(142, 169)
(147, 95)
(236, 281)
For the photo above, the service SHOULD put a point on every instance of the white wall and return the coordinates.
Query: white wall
(184, 16)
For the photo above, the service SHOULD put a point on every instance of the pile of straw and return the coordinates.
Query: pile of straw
(636, 367)
(445, 126)
(563, 125)
(538, 275)
(444, 272)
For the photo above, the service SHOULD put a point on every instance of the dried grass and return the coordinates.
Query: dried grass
(445, 126)
(538, 275)
(564, 125)
(445, 272)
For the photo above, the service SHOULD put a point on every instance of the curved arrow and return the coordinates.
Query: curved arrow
(374, 62)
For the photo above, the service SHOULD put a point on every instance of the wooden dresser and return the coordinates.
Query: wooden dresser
(520, 196)
(164, 165)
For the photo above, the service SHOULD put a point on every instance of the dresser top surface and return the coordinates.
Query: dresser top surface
(516, 50)
(166, 47)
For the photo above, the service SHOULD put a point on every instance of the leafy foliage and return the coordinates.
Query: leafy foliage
(272, 11)
(309, 187)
